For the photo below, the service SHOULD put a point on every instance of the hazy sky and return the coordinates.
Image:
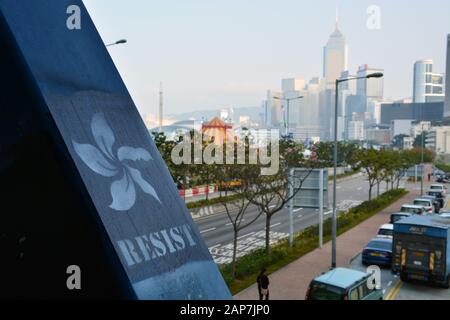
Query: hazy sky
(211, 54)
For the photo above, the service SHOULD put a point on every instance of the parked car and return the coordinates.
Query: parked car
(397, 216)
(409, 208)
(438, 187)
(439, 197)
(342, 284)
(445, 214)
(426, 203)
(443, 179)
(436, 202)
(378, 252)
(386, 231)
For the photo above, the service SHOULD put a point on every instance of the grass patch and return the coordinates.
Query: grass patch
(248, 266)
(442, 166)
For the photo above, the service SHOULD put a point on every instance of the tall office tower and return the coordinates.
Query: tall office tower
(335, 56)
(371, 88)
(292, 88)
(428, 86)
(272, 109)
(447, 81)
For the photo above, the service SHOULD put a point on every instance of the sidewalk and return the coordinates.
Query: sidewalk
(291, 282)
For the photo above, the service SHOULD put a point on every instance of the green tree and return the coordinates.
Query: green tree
(271, 193)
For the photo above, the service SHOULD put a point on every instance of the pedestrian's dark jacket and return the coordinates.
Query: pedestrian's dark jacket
(263, 281)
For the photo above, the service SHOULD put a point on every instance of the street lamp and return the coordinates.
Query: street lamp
(288, 100)
(333, 229)
(122, 41)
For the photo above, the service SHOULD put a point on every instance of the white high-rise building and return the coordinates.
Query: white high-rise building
(272, 109)
(428, 86)
(355, 130)
(372, 88)
(438, 140)
(292, 88)
(335, 56)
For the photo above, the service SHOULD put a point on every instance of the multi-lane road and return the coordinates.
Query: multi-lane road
(217, 229)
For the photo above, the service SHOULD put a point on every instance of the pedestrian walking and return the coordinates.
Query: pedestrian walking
(263, 285)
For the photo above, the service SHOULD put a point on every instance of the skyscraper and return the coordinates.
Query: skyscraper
(370, 88)
(335, 56)
(428, 86)
(272, 109)
(447, 81)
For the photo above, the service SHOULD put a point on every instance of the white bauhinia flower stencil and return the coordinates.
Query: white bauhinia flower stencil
(102, 160)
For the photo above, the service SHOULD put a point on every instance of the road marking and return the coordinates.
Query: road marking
(208, 230)
(246, 235)
(276, 224)
(328, 212)
(215, 246)
(229, 223)
(297, 210)
(392, 295)
(389, 283)
(299, 216)
(359, 189)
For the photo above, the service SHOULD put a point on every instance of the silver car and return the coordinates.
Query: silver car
(426, 203)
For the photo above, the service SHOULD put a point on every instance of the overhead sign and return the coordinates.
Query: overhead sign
(309, 194)
(415, 171)
(112, 154)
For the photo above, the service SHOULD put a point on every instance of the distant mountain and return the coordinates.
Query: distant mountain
(252, 112)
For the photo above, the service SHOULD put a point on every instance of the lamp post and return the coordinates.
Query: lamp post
(422, 167)
(288, 100)
(122, 41)
(333, 228)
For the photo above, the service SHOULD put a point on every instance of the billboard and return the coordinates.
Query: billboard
(309, 194)
(91, 118)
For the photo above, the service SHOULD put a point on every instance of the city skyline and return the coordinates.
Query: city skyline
(233, 64)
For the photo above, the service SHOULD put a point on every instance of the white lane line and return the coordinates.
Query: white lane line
(229, 223)
(275, 225)
(297, 210)
(328, 212)
(215, 246)
(337, 188)
(299, 216)
(389, 283)
(246, 235)
(208, 230)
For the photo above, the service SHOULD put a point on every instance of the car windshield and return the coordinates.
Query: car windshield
(397, 217)
(384, 245)
(321, 291)
(411, 210)
(386, 232)
(435, 187)
(422, 203)
(435, 194)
